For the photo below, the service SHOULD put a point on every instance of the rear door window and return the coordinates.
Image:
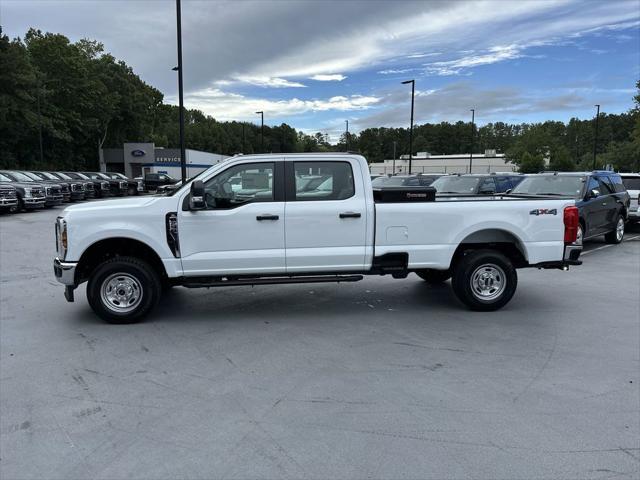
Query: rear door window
(617, 183)
(323, 181)
(605, 186)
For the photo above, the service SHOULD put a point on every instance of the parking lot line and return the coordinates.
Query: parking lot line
(609, 245)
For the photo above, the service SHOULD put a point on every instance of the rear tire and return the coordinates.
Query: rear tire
(617, 235)
(123, 290)
(484, 280)
(434, 277)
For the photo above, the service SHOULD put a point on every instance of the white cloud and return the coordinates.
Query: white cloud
(334, 77)
(493, 55)
(273, 82)
(233, 106)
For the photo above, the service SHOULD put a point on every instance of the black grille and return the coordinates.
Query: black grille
(37, 192)
(56, 190)
(76, 187)
(65, 188)
(7, 193)
(88, 186)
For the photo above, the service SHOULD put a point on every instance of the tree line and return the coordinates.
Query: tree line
(61, 101)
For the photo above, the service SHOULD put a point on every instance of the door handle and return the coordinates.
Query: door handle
(604, 204)
(267, 217)
(350, 215)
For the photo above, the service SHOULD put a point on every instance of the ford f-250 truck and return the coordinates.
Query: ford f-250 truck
(254, 220)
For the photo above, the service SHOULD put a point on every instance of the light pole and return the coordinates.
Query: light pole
(394, 157)
(243, 138)
(473, 117)
(595, 139)
(261, 131)
(346, 136)
(183, 160)
(413, 91)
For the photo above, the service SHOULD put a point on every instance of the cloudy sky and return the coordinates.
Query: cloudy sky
(314, 64)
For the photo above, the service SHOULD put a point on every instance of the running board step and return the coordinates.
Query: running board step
(229, 282)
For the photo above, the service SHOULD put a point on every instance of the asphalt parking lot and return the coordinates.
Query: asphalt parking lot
(378, 379)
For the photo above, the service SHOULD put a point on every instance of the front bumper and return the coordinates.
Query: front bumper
(32, 203)
(65, 271)
(77, 195)
(633, 215)
(8, 202)
(53, 200)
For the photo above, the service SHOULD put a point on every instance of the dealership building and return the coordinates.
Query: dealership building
(137, 159)
(424, 162)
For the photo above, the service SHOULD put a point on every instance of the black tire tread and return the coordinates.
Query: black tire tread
(465, 266)
(151, 291)
(611, 237)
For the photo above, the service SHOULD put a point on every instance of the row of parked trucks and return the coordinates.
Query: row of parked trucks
(30, 190)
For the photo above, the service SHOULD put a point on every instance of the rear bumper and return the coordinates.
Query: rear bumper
(570, 257)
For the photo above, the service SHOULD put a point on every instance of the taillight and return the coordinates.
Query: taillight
(571, 222)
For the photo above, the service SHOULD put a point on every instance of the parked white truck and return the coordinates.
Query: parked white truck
(273, 219)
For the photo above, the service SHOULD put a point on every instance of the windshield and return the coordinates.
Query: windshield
(32, 176)
(566, 185)
(455, 184)
(4, 178)
(175, 190)
(63, 176)
(117, 176)
(631, 183)
(20, 176)
(77, 175)
(97, 176)
(47, 175)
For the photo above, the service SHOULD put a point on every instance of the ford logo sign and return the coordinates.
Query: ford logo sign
(138, 153)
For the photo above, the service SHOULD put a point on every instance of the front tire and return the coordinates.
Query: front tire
(617, 235)
(434, 277)
(123, 290)
(484, 280)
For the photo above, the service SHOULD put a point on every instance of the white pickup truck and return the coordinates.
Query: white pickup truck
(298, 218)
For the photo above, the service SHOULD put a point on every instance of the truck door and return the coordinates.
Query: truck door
(242, 228)
(609, 204)
(594, 207)
(326, 217)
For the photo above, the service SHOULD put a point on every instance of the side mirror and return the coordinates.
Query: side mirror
(196, 199)
(594, 193)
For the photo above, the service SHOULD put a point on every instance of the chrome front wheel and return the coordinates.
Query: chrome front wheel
(121, 292)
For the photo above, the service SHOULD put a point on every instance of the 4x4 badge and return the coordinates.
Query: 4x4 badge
(544, 211)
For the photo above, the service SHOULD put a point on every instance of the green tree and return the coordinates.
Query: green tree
(530, 163)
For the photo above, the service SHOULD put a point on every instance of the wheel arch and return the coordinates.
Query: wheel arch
(497, 239)
(108, 248)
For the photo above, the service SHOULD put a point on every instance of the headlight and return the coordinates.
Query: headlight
(61, 237)
(27, 191)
